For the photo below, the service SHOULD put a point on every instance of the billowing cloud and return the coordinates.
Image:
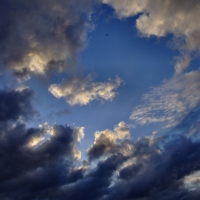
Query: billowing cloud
(170, 102)
(38, 168)
(41, 163)
(83, 90)
(162, 17)
(38, 37)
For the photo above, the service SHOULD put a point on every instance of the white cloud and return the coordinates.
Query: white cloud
(83, 90)
(162, 17)
(170, 102)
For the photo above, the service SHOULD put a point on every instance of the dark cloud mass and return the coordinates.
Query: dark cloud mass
(150, 168)
(40, 36)
(15, 104)
(29, 172)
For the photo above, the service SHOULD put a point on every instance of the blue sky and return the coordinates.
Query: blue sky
(99, 95)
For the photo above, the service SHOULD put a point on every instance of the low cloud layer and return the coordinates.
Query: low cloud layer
(44, 162)
(83, 90)
(170, 102)
(162, 17)
(37, 37)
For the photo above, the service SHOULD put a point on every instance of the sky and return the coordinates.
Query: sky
(99, 99)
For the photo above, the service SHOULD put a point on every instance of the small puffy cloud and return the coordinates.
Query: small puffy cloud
(107, 141)
(83, 90)
(37, 38)
(159, 18)
(170, 102)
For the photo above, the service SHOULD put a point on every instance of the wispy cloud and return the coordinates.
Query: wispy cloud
(170, 102)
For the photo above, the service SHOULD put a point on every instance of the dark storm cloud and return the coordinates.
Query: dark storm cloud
(15, 104)
(40, 36)
(95, 184)
(40, 163)
(150, 168)
(35, 172)
(158, 168)
(159, 174)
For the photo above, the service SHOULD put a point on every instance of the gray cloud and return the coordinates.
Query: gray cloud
(37, 37)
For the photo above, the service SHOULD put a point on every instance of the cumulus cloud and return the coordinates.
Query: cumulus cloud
(159, 18)
(83, 90)
(106, 141)
(170, 102)
(37, 37)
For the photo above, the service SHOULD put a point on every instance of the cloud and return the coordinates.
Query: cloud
(83, 90)
(42, 162)
(37, 38)
(31, 171)
(170, 102)
(106, 142)
(160, 174)
(160, 18)
(15, 104)
(122, 130)
(157, 168)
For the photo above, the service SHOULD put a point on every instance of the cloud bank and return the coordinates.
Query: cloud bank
(41, 163)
